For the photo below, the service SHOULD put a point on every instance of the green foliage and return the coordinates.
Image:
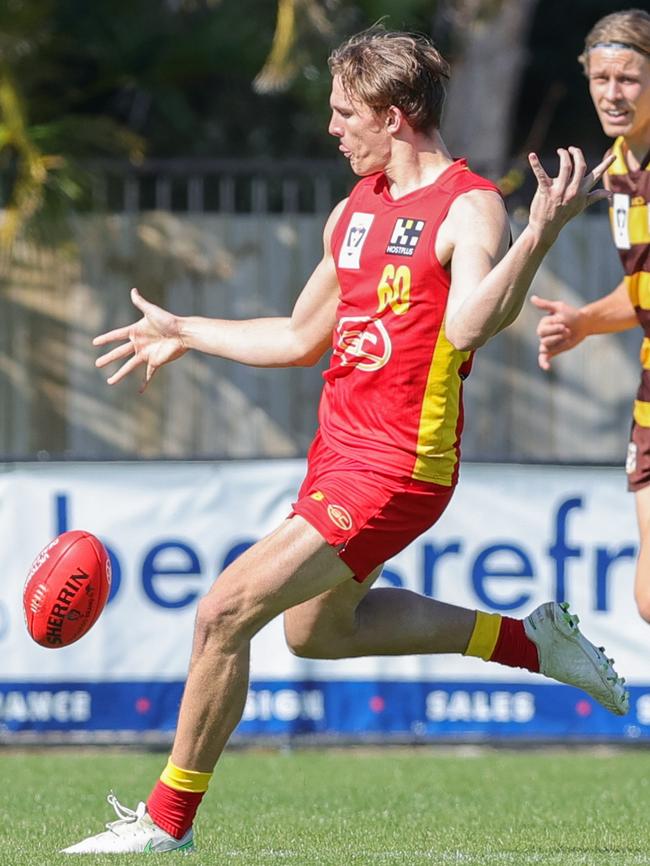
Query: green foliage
(180, 73)
(41, 175)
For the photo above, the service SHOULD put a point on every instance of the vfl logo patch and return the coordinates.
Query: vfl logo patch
(405, 236)
(620, 212)
(630, 460)
(355, 237)
(340, 516)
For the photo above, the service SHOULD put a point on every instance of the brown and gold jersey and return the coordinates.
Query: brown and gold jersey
(630, 221)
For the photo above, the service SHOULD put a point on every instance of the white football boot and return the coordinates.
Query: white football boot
(133, 833)
(567, 656)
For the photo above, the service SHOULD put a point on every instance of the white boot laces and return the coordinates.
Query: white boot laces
(124, 814)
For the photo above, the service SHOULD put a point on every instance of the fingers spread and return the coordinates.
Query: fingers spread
(598, 195)
(579, 168)
(148, 376)
(111, 336)
(596, 173)
(542, 178)
(566, 166)
(125, 369)
(115, 354)
(141, 303)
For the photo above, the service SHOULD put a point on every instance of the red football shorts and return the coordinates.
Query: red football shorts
(367, 515)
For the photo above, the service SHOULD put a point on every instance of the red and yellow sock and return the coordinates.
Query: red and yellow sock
(502, 639)
(175, 798)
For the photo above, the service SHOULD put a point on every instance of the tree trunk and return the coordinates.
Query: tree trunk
(490, 40)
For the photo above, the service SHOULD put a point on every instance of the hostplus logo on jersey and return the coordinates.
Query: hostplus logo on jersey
(405, 236)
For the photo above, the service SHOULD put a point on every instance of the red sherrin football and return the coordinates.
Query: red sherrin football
(66, 589)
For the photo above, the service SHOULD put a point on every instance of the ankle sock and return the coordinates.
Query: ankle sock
(497, 638)
(175, 798)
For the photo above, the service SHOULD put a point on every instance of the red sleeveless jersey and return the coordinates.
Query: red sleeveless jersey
(393, 391)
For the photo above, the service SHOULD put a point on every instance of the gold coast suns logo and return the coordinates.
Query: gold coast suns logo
(362, 342)
(340, 516)
(336, 513)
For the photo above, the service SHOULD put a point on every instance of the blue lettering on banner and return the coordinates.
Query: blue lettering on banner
(392, 578)
(432, 554)
(152, 571)
(419, 709)
(560, 550)
(481, 572)
(492, 573)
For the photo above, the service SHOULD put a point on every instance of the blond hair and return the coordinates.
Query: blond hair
(381, 68)
(627, 29)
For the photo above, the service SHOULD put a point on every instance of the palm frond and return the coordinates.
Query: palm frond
(279, 68)
(26, 196)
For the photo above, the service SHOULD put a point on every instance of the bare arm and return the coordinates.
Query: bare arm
(488, 288)
(299, 339)
(565, 326)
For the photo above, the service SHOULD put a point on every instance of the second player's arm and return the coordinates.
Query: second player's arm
(565, 326)
(608, 315)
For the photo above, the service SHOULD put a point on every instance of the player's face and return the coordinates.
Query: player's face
(619, 83)
(364, 139)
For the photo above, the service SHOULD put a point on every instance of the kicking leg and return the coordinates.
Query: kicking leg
(352, 620)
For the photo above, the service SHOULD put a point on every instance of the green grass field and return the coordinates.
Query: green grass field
(334, 808)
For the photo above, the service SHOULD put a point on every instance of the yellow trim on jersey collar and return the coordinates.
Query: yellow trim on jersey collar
(619, 166)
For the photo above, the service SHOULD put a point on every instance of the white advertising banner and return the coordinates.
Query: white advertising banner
(512, 538)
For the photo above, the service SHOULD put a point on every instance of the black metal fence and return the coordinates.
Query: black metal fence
(218, 185)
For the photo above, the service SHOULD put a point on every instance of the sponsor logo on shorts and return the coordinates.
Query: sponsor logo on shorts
(340, 516)
(630, 460)
(406, 234)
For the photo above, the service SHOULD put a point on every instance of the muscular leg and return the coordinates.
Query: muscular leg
(289, 566)
(354, 620)
(642, 578)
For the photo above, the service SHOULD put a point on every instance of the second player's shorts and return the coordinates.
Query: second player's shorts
(637, 464)
(367, 515)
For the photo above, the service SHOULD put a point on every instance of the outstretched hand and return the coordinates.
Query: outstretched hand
(153, 341)
(561, 329)
(559, 199)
